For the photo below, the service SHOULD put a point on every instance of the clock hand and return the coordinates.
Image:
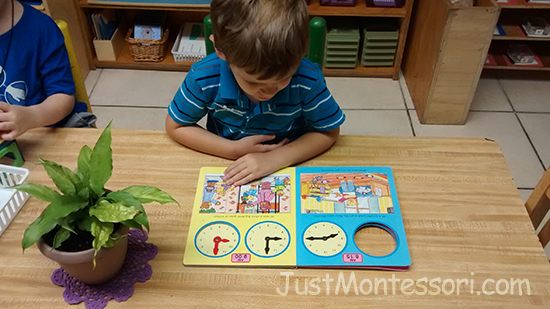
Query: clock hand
(267, 239)
(217, 241)
(314, 238)
(324, 238)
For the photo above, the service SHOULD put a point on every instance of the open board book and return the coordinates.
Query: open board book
(303, 216)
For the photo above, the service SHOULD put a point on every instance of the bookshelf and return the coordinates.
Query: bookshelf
(512, 14)
(179, 13)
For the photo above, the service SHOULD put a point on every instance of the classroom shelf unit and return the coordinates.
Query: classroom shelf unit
(513, 12)
(179, 13)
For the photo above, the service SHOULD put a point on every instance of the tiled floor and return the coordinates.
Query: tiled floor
(511, 108)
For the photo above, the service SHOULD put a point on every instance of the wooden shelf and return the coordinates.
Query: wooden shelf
(315, 9)
(515, 33)
(144, 6)
(360, 10)
(523, 4)
(181, 13)
(360, 72)
(126, 61)
(511, 17)
(501, 64)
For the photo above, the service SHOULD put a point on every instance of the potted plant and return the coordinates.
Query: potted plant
(84, 226)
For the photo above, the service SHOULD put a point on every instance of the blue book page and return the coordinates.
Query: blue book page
(333, 203)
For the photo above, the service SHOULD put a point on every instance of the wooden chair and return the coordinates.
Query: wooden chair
(81, 94)
(538, 206)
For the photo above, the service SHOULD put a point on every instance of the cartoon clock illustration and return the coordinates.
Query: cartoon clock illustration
(217, 239)
(325, 239)
(267, 239)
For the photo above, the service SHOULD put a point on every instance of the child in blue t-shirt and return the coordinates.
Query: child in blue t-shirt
(267, 107)
(36, 83)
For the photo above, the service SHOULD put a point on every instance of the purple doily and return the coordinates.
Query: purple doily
(135, 269)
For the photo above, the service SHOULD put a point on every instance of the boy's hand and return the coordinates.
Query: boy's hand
(253, 144)
(14, 120)
(250, 167)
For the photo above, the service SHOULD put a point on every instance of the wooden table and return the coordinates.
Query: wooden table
(462, 213)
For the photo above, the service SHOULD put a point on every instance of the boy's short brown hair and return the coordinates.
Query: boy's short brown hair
(267, 38)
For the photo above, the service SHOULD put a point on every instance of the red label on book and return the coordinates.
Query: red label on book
(240, 257)
(353, 258)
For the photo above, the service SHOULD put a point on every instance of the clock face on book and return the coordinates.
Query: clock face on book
(324, 239)
(217, 239)
(267, 239)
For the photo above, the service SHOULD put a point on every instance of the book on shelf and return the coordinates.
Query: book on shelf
(104, 23)
(499, 30)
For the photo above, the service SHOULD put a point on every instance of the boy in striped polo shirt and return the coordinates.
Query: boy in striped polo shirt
(267, 106)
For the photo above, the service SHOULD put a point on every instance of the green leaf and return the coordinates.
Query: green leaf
(101, 162)
(84, 193)
(106, 211)
(85, 223)
(101, 231)
(63, 178)
(83, 163)
(130, 200)
(64, 223)
(126, 198)
(35, 230)
(149, 194)
(39, 191)
(113, 241)
(60, 237)
(132, 224)
(142, 219)
(63, 206)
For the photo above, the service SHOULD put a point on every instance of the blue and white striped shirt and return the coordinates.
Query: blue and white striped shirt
(210, 89)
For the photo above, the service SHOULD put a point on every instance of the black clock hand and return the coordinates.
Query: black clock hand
(314, 238)
(324, 238)
(267, 239)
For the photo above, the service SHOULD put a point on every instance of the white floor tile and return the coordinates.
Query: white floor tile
(131, 117)
(528, 91)
(538, 129)
(91, 80)
(489, 95)
(366, 93)
(117, 87)
(376, 122)
(503, 128)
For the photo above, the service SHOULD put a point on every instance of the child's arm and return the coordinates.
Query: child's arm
(16, 120)
(255, 165)
(196, 137)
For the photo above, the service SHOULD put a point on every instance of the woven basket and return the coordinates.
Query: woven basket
(147, 50)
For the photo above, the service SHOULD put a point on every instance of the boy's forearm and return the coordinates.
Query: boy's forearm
(197, 138)
(51, 111)
(305, 147)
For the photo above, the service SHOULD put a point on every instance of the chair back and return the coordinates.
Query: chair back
(538, 206)
(81, 94)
